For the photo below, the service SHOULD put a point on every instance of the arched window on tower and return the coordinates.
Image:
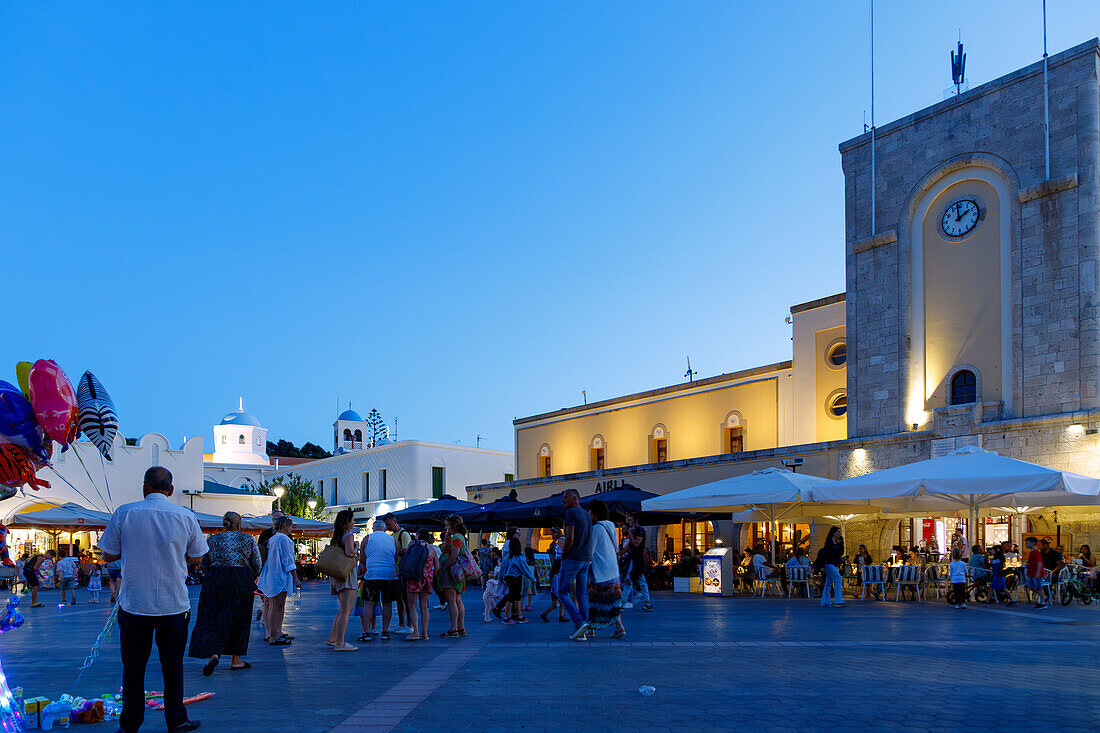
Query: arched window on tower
(964, 388)
(358, 436)
(240, 439)
(347, 434)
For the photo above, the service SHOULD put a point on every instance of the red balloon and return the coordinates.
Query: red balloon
(17, 469)
(53, 400)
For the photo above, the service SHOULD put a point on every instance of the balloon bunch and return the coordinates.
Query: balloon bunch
(45, 408)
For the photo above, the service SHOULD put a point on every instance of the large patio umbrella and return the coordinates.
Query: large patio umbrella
(300, 525)
(68, 517)
(969, 478)
(482, 517)
(628, 500)
(546, 512)
(432, 513)
(771, 493)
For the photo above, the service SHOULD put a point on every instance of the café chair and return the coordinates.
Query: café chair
(773, 580)
(908, 575)
(799, 576)
(872, 575)
(938, 577)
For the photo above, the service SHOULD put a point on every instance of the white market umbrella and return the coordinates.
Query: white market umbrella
(769, 494)
(971, 479)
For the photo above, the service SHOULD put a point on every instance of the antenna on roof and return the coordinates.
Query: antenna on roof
(958, 66)
(690, 373)
(1046, 96)
(479, 440)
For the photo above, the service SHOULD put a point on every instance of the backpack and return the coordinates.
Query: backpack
(412, 562)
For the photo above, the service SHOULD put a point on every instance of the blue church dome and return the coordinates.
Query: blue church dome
(241, 417)
(350, 415)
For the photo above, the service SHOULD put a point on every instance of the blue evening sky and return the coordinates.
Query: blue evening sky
(458, 212)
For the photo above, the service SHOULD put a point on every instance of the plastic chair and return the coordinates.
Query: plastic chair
(799, 576)
(773, 580)
(908, 575)
(872, 575)
(938, 577)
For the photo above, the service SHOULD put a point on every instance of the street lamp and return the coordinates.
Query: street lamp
(279, 491)
(312, 504)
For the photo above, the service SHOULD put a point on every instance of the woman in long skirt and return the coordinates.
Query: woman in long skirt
(605, 591)
(224, 618)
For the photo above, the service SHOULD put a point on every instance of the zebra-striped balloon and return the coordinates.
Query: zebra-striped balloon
(97, 418)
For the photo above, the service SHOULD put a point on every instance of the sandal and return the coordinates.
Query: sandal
(244, 665)
(280, 642)
(618, 635)
(412, 638)
(208, 668)
(447, 634)
(362, 637)
(384, 636)
(462, 632)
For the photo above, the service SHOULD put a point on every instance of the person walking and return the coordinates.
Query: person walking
(343, 536)
(451, 581)
(830, 557)
(513, 571)
(66, 574)
(278, 579)
(377, 556)
(575, 561)
(555, 576)
(606, 591)
(156, 540)
(419, 590)
(224, 619)
(265, 537)
(639, 564)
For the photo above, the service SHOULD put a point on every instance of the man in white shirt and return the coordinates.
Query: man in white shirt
(377, 558)
(156, 540)
(761, 564)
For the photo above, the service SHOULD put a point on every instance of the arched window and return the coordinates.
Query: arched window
(964, 388)
(358, 436)
(240, 439)
(347, 434)
(223, 440)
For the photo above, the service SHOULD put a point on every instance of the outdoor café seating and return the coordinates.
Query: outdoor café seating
(938, 579)
(909, 575)
(872, 575)
(799, 576)
(775, 580)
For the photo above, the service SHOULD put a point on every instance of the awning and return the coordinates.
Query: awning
(66, 518)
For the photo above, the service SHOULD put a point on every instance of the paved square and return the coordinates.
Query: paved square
(716, 663)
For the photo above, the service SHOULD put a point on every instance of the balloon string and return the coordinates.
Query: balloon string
(73, 487)
(90, 479)
(105, 481)
(93, 654)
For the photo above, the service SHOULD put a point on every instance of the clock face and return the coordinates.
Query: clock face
(960, 218)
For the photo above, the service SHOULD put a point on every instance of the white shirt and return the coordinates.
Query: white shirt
(154, 536)
(964, 547)
(65, 567)
(379, 556)
(762, 570)
(798, 562)
(275, 577)
(605, 564)
(958, 571)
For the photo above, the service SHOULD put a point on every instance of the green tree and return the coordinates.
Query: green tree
(377, 431)
(298, 493)
(286, 449)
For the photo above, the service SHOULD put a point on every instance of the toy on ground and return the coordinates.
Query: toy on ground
(186, 700)
(55, 712)
(9, 617)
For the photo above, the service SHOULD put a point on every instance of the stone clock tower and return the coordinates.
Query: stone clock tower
(975, 297)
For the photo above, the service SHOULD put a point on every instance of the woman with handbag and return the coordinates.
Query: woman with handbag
(453, 574)
(343, 543)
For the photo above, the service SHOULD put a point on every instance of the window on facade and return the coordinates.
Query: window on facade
(658, 450)
(838, 405)
(335, 491)
(964, 388)
(347, 434)
(321, 490)
(439, 481)
(596, 459)
(154, 455)
(358, 436)
(382, 483)
(544, 466)
(240, 439)
(838, 354)
(509, 477)
(366, 486)
(735, 440)
(223, 440)
(257, 440)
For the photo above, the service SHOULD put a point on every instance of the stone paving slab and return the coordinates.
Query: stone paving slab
(717, 664)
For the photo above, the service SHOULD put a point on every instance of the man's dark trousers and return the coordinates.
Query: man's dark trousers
(136, 634)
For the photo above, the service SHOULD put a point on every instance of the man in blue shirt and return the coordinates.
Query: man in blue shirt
(575, 559)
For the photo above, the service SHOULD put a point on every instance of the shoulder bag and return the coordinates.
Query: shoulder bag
(335, 563)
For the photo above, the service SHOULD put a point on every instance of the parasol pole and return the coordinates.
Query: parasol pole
(771, 514)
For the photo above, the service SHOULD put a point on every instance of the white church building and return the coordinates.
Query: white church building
(388, 476)
(240, 455)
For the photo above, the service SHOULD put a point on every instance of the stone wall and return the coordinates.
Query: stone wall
(1054, 239)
